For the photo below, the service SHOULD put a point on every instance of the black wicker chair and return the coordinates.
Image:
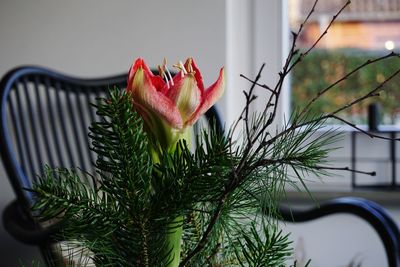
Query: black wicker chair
(39, 108)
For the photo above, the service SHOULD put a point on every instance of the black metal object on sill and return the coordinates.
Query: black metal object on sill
(391, 132)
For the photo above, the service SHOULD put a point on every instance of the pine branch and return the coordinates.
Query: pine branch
(268, 248)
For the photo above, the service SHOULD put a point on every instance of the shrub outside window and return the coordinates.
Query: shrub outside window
(364, 30)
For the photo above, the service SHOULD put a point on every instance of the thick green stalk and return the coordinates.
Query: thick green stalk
(174, 239)
(174, 228)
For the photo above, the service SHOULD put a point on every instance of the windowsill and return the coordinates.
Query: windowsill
(383, 197)
(364, 160)
(346, 128)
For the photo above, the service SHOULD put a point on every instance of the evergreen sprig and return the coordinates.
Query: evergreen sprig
(114, 212)
(122, 212)
(263, 246)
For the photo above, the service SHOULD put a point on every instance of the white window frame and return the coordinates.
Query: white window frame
(257, 32)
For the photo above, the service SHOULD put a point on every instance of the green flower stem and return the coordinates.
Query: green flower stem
(174, 240)
(174, 228)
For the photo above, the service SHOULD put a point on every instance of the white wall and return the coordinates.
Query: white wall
(100, 37)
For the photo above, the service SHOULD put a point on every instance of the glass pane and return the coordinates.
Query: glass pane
(365, 29)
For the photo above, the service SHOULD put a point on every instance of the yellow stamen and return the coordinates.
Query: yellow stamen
(180, 67)
(161, 71)
(189, 66)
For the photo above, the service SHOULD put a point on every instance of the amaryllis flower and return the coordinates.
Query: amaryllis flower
(169, 104)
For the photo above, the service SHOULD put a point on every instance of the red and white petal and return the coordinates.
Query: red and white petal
(186, 95)
(148, 98)
(197, 73)
(211, 95)
(156, 80)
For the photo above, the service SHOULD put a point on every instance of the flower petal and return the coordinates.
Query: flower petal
(186, 95)
(157, 81)
(190, 64)
(148, 99)
(211, 95)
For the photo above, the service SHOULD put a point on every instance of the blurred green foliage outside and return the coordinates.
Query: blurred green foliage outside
(321, 68)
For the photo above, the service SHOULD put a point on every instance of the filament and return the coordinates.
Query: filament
(169, 75)
(183, 67)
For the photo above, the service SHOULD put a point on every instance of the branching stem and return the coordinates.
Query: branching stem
(256, 132)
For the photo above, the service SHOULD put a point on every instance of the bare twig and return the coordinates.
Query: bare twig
(373, 173)
(302, 55)
(327, 27)
(287, 68)
(312, 10)
(258, 84)
(203, 241)
(294, 126)
(371, 93)
(370, 134)
(250, 98)
(254, 145)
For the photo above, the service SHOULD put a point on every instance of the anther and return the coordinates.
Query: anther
(189, 66)
(160, 71)
(180, 67)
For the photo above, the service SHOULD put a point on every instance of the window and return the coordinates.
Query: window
(258, 32)
(365, 29)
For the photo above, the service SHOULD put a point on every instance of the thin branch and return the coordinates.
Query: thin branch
(249, 97)
(294, 126)
(264, 162)
(258, 84)
(274, 98)
(327, 27)
(203, 241)
(373, 173)
(371, 93)
(239, 172)
(370, 134)
(245, 112)
(287, 68)
(302, 55)
(250, 142)
(312, 10)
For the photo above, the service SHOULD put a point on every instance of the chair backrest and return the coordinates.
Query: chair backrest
(44, 120)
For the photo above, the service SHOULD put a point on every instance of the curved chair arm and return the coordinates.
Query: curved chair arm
(23, 228)
(371, 212)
